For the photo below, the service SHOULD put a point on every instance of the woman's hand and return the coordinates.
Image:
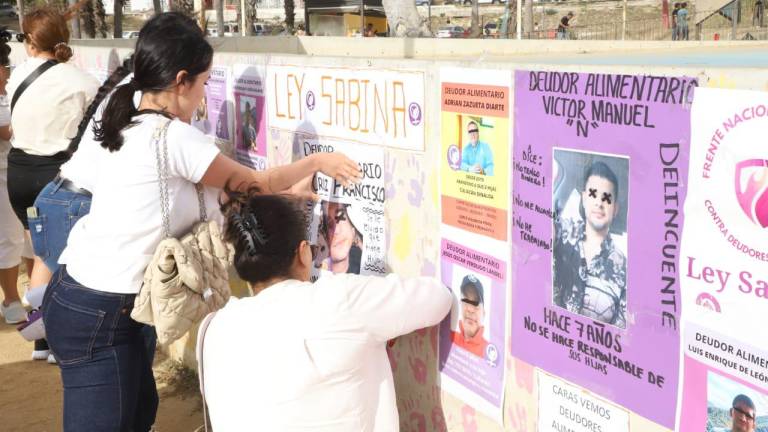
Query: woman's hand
(338, 166)
(305, 189)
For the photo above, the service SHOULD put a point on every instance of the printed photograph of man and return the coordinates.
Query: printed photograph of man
(589, 264)
(248, 130)
(343, 237)
(470, 333)
(743, 414)
(476, 156)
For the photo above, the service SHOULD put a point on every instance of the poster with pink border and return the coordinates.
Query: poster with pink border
(250, 116)
(724, 265)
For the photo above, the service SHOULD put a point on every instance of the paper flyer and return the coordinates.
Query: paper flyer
(475, 143)
(213, 116)
(474, 253)
(250, 117)
(566, 407)
(363, 105)
(347, 224)
(599, 173)
(724, 257)
(472, 338)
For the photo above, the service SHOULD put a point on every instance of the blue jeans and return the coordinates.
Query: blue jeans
(57, 212)
(104, 357)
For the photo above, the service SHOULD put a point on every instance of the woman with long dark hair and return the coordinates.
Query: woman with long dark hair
(105, 367)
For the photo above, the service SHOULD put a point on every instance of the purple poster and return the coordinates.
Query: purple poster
(600, 164)
(216, 97)
(472, 336)
(250, 119)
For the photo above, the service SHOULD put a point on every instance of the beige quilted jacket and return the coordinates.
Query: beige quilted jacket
(186, 280)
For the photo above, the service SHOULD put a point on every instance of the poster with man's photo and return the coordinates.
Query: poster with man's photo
(723, 257)
(475, 145)
(347, 223)
(213, 116)
(599, 169)
(472, 337)
(250, 116)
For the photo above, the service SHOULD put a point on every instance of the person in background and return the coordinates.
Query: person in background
(13, 245)
(43, 121)
(102, 354)
(316, 357)
(674, 21)
(682, 22)
(564, 27)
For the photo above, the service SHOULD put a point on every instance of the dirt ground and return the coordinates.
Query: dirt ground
(31, 393)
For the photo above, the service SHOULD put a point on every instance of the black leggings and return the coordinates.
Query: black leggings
(27, 176)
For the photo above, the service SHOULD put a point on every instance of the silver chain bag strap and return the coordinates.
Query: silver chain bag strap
(188, 277)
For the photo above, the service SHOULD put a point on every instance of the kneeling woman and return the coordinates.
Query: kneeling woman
(315, 358)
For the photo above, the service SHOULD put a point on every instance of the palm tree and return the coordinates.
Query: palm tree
(118, 15)
(157, 6)
(100, 16)
(219, 6)
(475, 29)
(290, 15)
(404, 19)
(89, 20)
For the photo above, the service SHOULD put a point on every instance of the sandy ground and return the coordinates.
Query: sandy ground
(31, 393)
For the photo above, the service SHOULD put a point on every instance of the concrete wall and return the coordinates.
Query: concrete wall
(412, 207)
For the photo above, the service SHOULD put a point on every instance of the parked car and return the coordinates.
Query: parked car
(422, 2)
(468, 2)
(8, 11)
(130, 34)
(491, 30)
(260, 29)
(451, 32)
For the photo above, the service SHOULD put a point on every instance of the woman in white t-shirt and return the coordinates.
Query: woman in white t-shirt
(106, 370)
(315, 356)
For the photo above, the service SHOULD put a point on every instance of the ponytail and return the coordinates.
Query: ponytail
(117, 116)
(118, 75)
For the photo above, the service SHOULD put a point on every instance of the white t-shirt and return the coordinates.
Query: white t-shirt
(109, 248)
(5, 120)
(311, 357)
(47, 113)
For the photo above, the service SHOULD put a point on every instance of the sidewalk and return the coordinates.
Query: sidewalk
(31, 396)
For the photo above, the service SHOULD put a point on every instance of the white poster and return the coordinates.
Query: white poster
(724, 253)
(566, 407)
(364, 105)
(724, 265)
(348, 222)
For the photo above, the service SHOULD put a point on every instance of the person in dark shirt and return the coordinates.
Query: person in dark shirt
(562, 28)
(674, 21)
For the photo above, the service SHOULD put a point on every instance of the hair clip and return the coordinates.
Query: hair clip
(255, 228)
(244, 234)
